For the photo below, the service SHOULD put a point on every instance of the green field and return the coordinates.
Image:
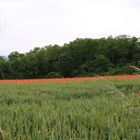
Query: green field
(86, 110)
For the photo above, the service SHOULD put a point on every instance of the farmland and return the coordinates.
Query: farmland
(90, 109)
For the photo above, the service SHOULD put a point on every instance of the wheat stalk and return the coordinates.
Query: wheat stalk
(1, 134)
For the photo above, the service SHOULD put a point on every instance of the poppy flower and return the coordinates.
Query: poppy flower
(138, 92)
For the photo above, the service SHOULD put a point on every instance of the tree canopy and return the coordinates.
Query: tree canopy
(81, 57)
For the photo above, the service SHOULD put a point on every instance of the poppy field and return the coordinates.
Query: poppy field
(98, 108)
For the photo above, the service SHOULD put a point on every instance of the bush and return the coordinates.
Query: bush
(120, 70)
(54, 75)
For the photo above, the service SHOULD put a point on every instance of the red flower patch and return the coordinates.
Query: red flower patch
(70, 79)
(138, 92)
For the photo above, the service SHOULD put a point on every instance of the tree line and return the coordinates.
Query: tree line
(81, 57)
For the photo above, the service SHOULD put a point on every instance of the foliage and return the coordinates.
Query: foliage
(104, 56)
(54, 75)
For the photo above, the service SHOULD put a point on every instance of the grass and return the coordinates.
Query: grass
(86, 110)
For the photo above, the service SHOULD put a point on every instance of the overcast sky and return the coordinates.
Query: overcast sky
(25, 24)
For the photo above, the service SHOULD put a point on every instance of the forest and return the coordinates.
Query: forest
(79, 58)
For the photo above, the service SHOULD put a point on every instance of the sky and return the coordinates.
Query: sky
(25, 24)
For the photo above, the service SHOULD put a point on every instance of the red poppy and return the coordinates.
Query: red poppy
(70, 79)
(138, 92)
